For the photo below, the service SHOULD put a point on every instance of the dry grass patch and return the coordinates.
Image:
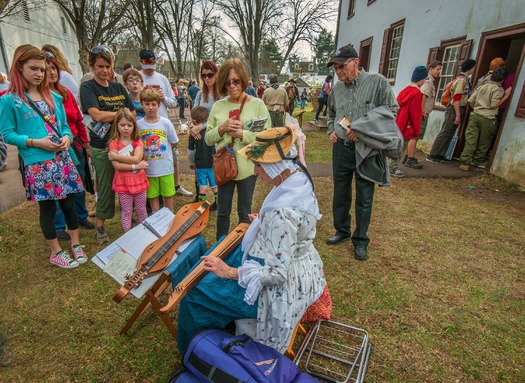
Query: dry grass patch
(442, 294)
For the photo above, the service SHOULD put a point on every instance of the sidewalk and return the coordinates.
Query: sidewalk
(12, 190)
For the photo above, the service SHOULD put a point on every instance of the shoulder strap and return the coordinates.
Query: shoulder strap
(242, 104)
(212, 373)
(35, 108)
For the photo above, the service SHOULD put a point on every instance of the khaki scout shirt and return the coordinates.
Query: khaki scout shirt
(461, 86)
(484, 97)
(429, 90)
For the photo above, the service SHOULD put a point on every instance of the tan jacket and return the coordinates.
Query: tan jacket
(275, 99)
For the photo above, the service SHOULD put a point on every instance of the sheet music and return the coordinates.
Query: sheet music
(136, 240)
(120, 266)
(160, 222)
(105, 254)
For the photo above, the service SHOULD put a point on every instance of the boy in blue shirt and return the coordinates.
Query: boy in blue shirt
(200, 157)
(134, 83)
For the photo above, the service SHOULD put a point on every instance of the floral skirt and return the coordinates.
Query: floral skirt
(52, 179)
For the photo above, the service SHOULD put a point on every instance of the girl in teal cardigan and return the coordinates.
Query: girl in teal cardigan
(49, 171)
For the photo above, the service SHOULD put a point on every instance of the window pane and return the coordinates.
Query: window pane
(450, 56)
(395, 49)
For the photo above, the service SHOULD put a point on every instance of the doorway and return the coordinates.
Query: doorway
(508, 43)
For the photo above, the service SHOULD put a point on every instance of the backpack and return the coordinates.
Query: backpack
(445, 97)
(217, 356)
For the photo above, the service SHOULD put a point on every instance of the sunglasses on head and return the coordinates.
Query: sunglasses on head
(235, 82)
(147, 61)
(207, 75)
(49, 55)
(100, 48)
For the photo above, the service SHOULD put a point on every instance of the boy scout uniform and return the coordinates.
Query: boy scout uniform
(461, 86)
(481, 125)
(429, 90)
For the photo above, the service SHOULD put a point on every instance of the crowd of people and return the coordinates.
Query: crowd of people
(120, 125)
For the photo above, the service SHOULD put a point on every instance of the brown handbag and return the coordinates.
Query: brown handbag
(224, 163)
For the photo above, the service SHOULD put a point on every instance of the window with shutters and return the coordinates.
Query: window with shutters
(395, 48)
(25, 11)
(451, 53)
(391, 50)
(450, 57)
(351, 7)
(64, 29)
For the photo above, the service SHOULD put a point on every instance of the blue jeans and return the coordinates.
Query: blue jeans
(78, 198)
(322, 102)
(303, 104)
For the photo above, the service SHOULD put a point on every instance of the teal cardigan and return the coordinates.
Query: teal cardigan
(18, 122)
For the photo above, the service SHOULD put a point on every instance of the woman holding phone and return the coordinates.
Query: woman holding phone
(225, 124)
(34, 120)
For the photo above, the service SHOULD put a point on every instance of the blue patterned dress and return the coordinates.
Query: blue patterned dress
(51, 179)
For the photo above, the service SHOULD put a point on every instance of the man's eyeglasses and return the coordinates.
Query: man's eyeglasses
(207, 75)
(134, 80)
(100, 48)
(235, 82)
(49, 55)
(341, 66)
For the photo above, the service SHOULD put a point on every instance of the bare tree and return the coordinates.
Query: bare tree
(303, 21)
(174, 24)
(143, 13)
(96, 22)
(254, 19)
(10, 8)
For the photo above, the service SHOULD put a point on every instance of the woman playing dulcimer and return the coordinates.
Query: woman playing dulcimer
(278, 273)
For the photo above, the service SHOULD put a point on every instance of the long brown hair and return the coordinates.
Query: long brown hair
(124, 113)
(60, 59)
(210, 65)
(19, 84)
(61, 89)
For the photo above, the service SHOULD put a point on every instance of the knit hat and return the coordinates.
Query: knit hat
(467, 64)
(147, 59)
(270, 145)
(342, 55)
(420, 73)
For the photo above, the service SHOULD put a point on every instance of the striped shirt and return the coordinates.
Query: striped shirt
(366, 92)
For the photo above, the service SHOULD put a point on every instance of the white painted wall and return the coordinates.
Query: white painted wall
(509, 161)
(427, 24)
(45, 27)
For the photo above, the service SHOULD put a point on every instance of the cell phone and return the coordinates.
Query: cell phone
(56, 140)
(155, 86)
(235, 114)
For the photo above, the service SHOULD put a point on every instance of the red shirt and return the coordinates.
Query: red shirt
(74, 120)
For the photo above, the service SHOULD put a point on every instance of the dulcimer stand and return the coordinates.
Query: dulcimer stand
(182, 265)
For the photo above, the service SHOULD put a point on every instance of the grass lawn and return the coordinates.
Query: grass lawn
(442, 295)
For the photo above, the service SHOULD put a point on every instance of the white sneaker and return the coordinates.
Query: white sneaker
(183, 192)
